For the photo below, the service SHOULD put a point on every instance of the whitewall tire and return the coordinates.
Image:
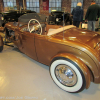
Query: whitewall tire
(67, 75)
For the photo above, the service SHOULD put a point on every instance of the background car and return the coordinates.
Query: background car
(73, 54)
(12, 15)
(57, 17)
(1, 43)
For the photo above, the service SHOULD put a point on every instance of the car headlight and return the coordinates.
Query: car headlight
(57, 19)
(2, 18)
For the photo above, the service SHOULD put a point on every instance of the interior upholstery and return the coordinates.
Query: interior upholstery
(54, 31)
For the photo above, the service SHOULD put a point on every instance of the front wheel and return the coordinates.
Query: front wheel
(67, 75)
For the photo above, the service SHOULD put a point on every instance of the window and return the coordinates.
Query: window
(97, 2)
(54, 5)
(74, 3)
(33, 5)
(9, 3)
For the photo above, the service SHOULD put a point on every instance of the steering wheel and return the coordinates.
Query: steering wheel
(34, 27)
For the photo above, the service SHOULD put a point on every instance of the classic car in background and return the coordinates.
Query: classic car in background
(12, 15)
(57, 17)
(73, 54)
(1, 43)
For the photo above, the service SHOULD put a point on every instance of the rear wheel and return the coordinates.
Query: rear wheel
(67, 75)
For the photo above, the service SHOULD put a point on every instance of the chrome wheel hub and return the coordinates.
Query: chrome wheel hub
(66, 75)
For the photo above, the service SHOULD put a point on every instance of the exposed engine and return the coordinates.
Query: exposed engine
(10, 35)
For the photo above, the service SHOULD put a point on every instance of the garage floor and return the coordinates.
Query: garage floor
(22, 78)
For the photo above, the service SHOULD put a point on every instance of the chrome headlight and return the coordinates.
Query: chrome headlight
(2, 18)
(57, 19)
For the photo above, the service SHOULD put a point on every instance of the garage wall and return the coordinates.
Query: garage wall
(65, 4)
(1, 5)
(46, 12)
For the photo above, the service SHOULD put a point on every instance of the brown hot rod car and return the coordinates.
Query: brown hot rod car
(73, 54)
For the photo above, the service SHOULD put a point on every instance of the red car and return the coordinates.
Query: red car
(73, 54)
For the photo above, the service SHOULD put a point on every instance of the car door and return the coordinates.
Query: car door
(28, 45)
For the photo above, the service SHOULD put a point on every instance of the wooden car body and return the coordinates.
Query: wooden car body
(80, 46)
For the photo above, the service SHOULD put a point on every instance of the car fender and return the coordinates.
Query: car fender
(82, 65)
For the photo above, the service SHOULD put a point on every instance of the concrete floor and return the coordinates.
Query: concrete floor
(22, 78)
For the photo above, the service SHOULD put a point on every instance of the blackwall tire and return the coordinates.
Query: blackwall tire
(67, 75)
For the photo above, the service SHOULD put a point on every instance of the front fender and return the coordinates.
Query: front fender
(82, 66)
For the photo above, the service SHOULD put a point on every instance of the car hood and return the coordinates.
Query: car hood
(82, 36)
